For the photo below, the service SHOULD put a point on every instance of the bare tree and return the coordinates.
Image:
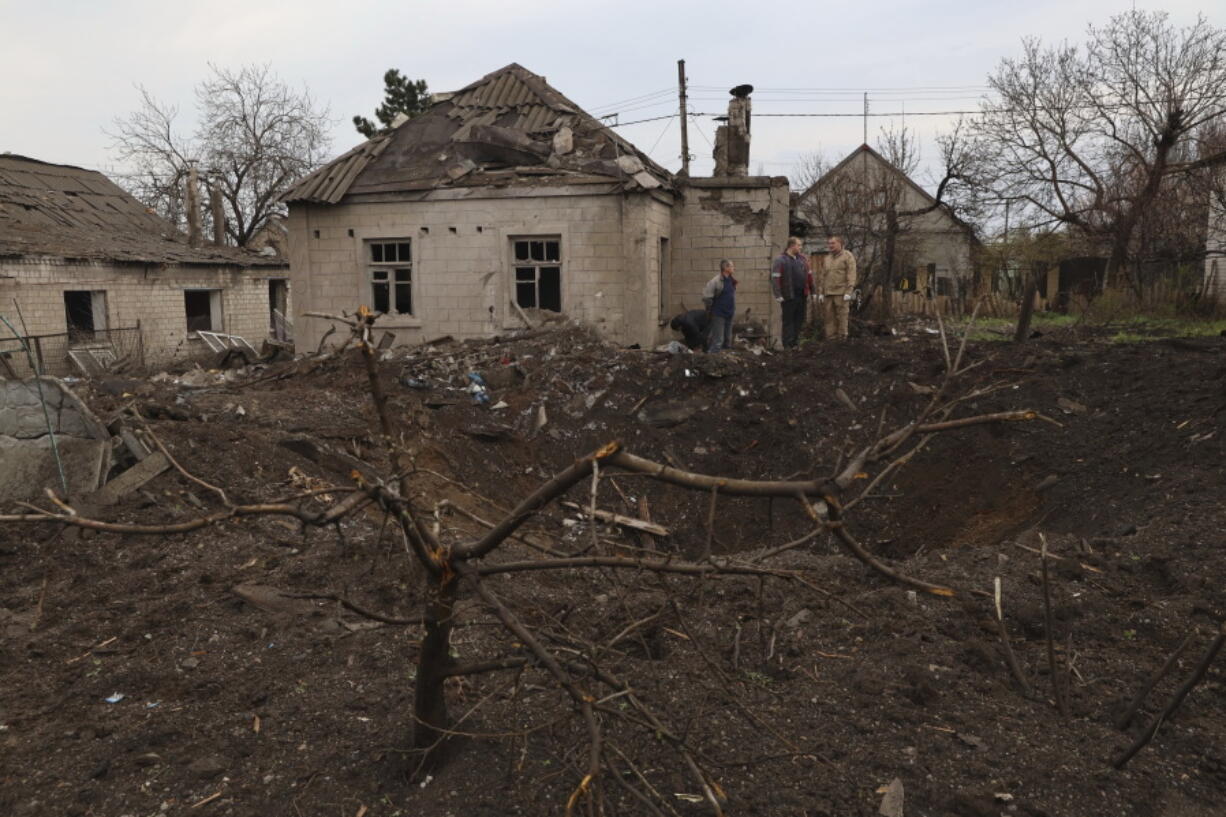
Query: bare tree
(1085, 137)
(254, 137)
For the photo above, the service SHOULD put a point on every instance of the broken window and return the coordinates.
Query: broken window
(203, 308)
(391, 276)
(538, 273)
(84, 314)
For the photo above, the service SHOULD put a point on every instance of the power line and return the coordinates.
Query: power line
(656, 144)
(700, 130)
(859, 114)
(634, 99)
(896, 89)
(641, 121)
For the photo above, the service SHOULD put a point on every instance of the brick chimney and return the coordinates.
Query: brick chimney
(732, 138)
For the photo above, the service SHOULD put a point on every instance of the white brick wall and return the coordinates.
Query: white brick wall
(460, 277)
(148, 294)
(463, 281)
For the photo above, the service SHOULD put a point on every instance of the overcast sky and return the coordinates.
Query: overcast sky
(70, 68)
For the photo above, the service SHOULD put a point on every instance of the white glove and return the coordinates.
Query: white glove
(821, 299)
(779, 298)
(847, 297)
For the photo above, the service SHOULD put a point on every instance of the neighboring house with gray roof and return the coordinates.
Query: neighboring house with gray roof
(506, 194)
(88, 264)
(932, 248)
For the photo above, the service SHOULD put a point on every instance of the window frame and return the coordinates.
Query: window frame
(390, 269)
(216, 311)
(536, 265)
(98, 316)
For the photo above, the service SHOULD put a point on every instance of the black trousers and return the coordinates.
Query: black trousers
(793, 320)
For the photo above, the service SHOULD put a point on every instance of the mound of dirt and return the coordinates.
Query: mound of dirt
(216, 671)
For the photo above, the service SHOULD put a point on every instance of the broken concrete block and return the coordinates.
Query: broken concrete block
(29, 467)
(563, 141)
(629, 164)
(645, 180)
(461, 169)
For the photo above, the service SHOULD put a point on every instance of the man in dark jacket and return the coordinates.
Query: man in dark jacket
(791, 284)
(693, 327)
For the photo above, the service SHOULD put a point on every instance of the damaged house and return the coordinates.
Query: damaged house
(99, 278)
(506, 196)
(901, 237)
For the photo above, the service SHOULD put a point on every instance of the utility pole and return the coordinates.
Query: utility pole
(685, 137)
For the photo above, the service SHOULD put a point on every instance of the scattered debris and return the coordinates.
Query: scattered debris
(1071, 406)
(892, 799)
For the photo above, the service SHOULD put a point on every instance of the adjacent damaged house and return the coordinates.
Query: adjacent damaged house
(97, 276)
(506, 196)
(903, 239)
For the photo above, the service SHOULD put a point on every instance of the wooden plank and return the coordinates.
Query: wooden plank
(130, 480)
(618, 519)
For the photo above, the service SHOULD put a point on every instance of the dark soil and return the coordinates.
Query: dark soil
(795, 704)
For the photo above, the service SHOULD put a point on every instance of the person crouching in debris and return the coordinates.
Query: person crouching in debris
(835, 290)
(791, 285)
(693, 327)
(720, 297)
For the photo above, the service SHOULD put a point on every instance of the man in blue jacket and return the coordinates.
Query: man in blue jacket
(791, 285)
(719, 295)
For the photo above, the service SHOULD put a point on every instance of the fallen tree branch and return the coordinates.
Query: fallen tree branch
(538, 499)
(583, 700)
(174, 462)
(1130, 712)
(1057, 687)
(353, 607)
(1195, 678)
(1010, 657)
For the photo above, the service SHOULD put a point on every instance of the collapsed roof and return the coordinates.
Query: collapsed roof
(69, 212)
(509, 127)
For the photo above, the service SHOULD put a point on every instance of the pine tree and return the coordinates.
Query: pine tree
(401, 95)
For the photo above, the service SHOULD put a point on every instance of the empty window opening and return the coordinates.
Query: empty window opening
(317, 233)
(452, 229)
(391, 276)
(84, 314)
(278, 308)
(538, 273)
(203, 307)
(351, 233)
